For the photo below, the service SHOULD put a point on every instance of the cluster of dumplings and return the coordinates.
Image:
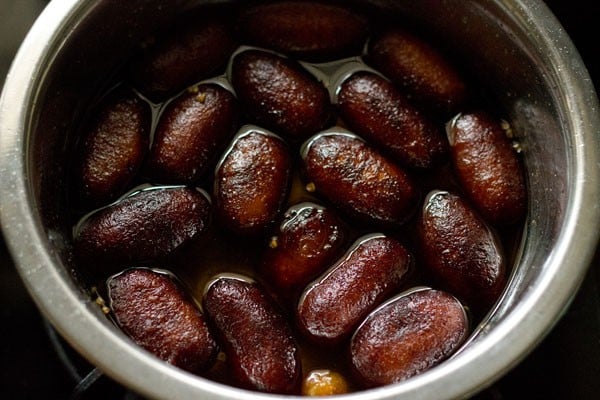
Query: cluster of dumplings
(350, 149)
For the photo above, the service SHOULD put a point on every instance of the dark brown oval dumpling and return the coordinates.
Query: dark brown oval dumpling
(252, 181)
(487, 167)
(193, 129)
(408, 335)
(333, 305)
(358, 180)
(155, 312)
(419, 69)
(313, 31)
(113, 148)
(261, 350)
(143, 226)
(374, 109)
(279, 94)
(460, 251)
(194, 50)
(309, 238)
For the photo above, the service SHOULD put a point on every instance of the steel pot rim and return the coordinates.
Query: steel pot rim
(78, 319)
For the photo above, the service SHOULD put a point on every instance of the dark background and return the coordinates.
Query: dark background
(566, 365)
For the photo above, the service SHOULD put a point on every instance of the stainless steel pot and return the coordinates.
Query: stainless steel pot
(517, 46)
